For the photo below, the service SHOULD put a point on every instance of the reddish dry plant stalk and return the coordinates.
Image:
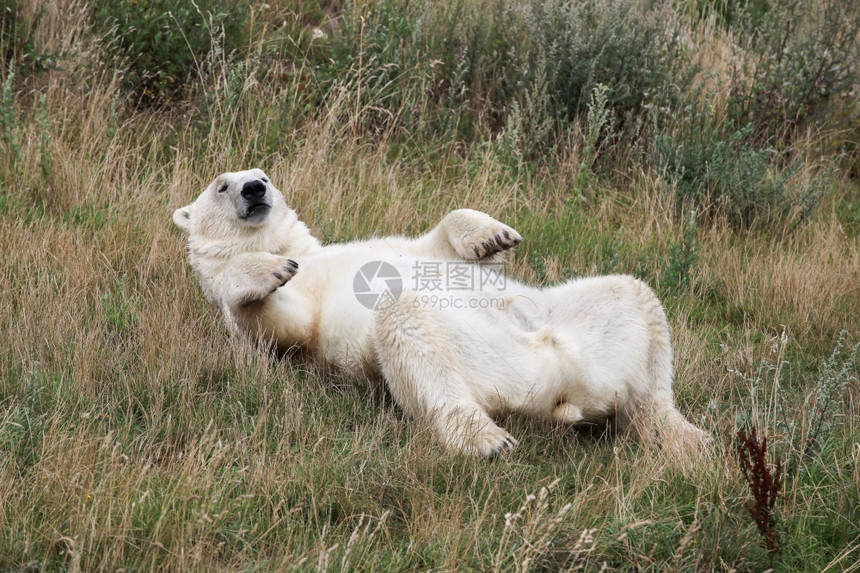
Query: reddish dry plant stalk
(765, 486)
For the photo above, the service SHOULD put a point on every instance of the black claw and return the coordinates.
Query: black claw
(506, 234)
(278, 276)
(477, 252)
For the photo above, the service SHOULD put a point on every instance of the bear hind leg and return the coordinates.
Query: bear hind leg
(424, 368)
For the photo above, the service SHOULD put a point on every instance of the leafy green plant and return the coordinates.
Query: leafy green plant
(619, 43)
(24, 427)
(394, 68)
(44, 139)
(612, 255)
(835, 375)
(17, 39)
(598, 121)
(120, 311)
(524, 72)
(161, 43)
(530, 128)
(721, 171)
(682, 258)
(540, 269)
(8, 122)
(804, 56)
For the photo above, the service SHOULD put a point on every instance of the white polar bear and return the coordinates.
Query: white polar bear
(579, 352)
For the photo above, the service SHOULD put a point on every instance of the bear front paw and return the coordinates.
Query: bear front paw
(286, 270)
(255, 280)
(493, 239)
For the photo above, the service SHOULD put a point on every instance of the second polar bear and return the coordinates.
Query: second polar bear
(456, 353)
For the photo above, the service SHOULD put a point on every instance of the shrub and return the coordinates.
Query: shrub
(836, 374)
(683, 257)
(802, 56)
(438, 69)
(17, 40)
(498, 67)
(720, 170)
(630, 46)
(8, 122)
(627, 50)
(161, 43)
(374, 60)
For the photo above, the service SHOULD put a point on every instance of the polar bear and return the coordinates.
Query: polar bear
(456, 353)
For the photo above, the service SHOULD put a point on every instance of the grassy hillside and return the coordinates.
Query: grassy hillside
(709, 150)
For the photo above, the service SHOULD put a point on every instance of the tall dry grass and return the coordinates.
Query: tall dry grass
(135, 433)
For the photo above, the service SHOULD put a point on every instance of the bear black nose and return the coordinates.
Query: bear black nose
(253, 190)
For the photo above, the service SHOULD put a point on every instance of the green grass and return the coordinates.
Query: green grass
(136, 433)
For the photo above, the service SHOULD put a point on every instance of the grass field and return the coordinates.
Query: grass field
(136, 434)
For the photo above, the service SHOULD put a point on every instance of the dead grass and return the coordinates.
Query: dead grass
(136, 434)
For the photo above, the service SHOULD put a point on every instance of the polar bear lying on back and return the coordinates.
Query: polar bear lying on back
(578, 352)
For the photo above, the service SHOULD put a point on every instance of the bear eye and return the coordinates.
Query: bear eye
(264, 180)
(222, 188)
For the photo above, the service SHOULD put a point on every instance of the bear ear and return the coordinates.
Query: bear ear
(182, 218)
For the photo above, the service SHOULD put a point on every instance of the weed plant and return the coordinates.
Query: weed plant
(765, 486)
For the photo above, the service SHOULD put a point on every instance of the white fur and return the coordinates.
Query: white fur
(577, 352)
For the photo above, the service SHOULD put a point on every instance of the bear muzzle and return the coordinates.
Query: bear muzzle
(257, 204)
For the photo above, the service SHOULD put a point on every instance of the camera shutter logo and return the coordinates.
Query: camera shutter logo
(377, 285)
